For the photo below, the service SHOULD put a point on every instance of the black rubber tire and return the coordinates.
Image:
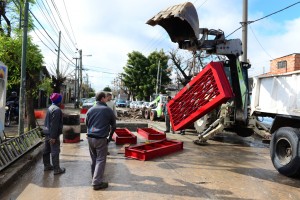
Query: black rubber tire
(153, 115)
(243, 131)
(147, 113)
(285, 150)
(7, 120)
(204, 122)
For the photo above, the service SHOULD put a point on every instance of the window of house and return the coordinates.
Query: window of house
(282, 64)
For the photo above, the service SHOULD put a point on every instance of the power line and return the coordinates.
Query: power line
(260, 43)
(42, 27)
(63, 24)
(250, 22)
(70, 22)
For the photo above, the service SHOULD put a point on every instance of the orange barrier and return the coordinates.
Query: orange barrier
(39, 114)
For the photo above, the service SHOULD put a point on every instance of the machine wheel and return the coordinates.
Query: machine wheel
(7, 120)
(147, 113)
(153, 115)
(204, 122)
(243, 132)
(285, 150)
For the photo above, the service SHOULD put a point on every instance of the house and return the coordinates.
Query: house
(285, 64)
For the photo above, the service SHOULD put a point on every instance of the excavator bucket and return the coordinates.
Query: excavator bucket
(180, 21)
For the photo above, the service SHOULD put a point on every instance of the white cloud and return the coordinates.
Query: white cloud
(109, 30)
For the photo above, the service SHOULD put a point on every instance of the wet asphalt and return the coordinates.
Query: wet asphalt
(229, 167)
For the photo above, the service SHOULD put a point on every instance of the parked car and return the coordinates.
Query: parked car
(88, 102)
(128, 104)
(86, 105)
(139, 104)
(132, 104)
(121, 103)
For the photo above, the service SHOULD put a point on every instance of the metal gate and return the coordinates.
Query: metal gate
(14, 148)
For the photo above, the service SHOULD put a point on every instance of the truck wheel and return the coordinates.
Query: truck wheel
(203, 123)
(285, 150)
(147, 113)
(153, 115)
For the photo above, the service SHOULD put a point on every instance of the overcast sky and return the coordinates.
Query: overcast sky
(109, 30)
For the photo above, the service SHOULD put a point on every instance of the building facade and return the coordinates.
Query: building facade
(285, 64)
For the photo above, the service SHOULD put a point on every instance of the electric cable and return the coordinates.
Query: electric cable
(250, 22)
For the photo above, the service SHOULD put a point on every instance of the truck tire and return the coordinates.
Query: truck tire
(285, 150)
(147, 113)
(204, 122)
(153, 115)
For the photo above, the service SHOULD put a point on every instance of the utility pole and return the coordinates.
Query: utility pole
(157, 77)
(75, 82)
(58, 54)
(160, 79)
(244, 30)
(20, 17)
(23, 72)
(80, 74)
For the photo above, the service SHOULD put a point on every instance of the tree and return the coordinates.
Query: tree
(140, 73)
(187, 68)
(10, 54)
(107, 89)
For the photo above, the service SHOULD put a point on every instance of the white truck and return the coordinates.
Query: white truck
(278, 96)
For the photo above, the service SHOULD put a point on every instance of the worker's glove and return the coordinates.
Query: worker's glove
(108, 140)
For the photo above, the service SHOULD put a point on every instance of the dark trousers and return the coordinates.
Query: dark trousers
(53, 149)
(98, 153)
(167, 119)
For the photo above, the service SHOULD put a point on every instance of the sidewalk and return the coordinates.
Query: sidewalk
(23, 164)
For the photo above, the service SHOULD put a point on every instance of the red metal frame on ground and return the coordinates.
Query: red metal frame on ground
(151, 134)
(153, 149)
(209, 89)
(124, 136)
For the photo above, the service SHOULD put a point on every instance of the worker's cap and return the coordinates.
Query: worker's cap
(56, 98)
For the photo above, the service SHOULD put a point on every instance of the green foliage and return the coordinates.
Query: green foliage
(46, 86)
(107, 89)
(140, 73)
(11, 54)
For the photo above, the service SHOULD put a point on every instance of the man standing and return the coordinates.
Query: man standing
(167, 117)
(101, 123)
(111, 104)
(53, 129)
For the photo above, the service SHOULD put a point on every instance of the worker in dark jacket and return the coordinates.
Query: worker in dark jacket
(101, 124)
(52, 131)
(167, 117)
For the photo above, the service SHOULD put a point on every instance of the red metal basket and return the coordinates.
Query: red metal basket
(209, 89)
(151, 134)
(153, 149)
(124, 136)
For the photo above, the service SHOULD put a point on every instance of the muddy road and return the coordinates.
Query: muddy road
(229, 167)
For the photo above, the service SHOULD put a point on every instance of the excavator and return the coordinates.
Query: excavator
(219, 95)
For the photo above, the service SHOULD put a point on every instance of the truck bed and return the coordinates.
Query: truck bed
(276, 94)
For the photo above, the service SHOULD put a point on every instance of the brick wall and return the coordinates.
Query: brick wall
(293, 63)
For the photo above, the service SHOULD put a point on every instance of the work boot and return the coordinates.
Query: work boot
(57, 168)
(102, 185)
(46, 161)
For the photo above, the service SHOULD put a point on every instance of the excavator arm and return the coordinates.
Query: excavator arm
(182, 24)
